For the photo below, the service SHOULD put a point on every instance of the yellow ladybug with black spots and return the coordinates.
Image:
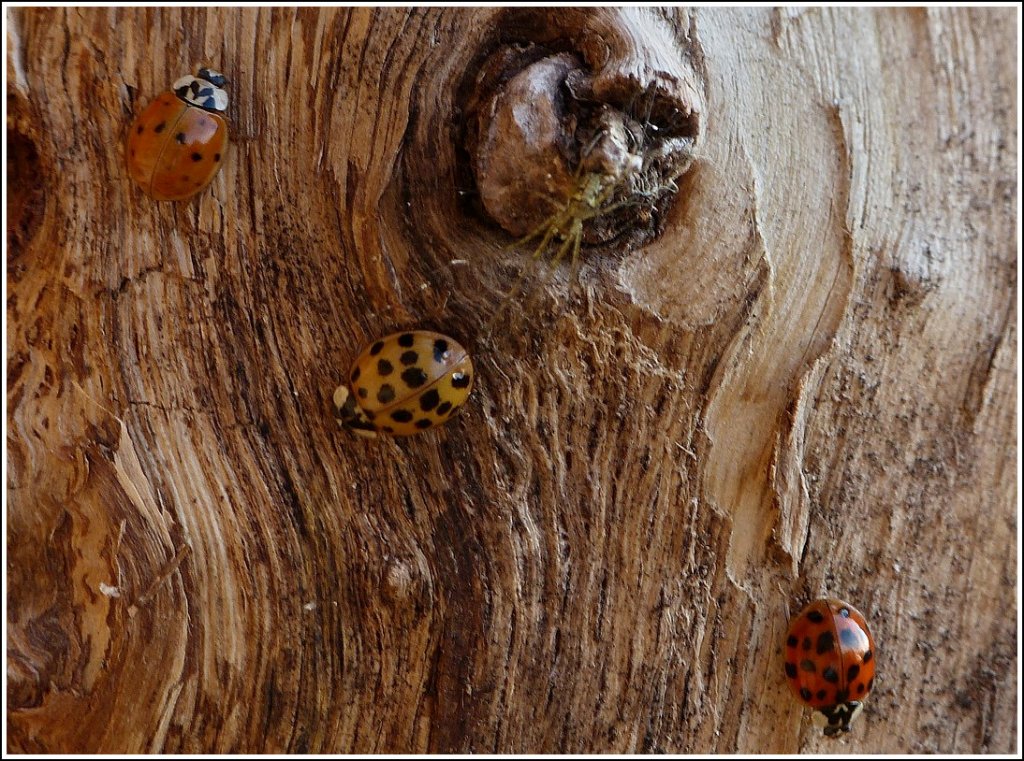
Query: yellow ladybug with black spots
(403, 384)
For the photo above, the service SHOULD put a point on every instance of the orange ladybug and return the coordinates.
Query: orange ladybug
(403, 384)
(830, 662)
(177, 144)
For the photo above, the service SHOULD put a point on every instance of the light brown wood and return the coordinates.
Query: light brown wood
(804, 385)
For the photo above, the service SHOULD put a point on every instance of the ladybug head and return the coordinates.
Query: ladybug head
(349, 415)
(204, 90)
(838, 718)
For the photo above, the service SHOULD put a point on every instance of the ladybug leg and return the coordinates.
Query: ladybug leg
(349, 415)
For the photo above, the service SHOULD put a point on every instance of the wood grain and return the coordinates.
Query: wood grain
(805, 385)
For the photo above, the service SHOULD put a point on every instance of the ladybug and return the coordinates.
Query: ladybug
(403, 384)
(176, 145)
(830, 662)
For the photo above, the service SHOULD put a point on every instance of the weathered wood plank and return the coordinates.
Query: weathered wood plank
(806, 384)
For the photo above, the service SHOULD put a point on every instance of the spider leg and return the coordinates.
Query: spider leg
(550, 228)
(560, 253)
(575, 263)
(543, 226)
(552, 231)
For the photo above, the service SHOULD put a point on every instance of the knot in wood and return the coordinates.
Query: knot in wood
(553, 142)
(399, 584)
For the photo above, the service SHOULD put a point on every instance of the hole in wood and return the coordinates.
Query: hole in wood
(25, 190)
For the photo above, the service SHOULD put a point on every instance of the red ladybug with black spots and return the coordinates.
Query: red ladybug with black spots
(830, 662)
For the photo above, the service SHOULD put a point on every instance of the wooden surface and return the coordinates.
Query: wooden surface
(805, 385)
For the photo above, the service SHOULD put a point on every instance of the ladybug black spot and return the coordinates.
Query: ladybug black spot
(867, 656)
(821, 695)
(405, 340)
(386, 393)
(808, 665)
(791, 670)
(830, 675)
(791, 641)
(141, 129)
(815, 617)
(805, 693)
(414, 377)
(197, 157)
(444, 408)
(440, 349)
(355, 375)
(160, 127)
(825, 643)
(376, 348)
(401, 416)
(363, 393)
(216, 157)
(180, 137)
(409, 358)
(424, 423)
(384, 367)
(429, 400)
(852, 672)
(460, 380)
